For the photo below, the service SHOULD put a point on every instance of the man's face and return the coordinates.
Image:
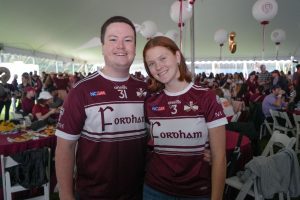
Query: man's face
(277, 91)
(262, 68)
(119, 46)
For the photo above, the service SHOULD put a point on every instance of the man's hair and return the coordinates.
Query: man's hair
(116, 19)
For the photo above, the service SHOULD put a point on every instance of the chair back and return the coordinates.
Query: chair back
(19, 176)
(236, 117)
(282, 121)
(280, 140)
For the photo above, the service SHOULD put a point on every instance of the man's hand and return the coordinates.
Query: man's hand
(207, 156)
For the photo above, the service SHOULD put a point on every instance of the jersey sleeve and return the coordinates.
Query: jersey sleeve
(72, 116)
(214, 114)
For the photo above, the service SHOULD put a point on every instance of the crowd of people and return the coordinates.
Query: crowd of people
(131, 137)
(38, 96)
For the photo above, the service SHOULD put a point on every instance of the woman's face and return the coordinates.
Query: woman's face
(163, 64)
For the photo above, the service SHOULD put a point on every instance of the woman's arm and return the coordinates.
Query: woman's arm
(217, 140)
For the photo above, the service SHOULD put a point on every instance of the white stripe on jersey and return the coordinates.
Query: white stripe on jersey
(137, 135)
(93, 75)
(182, 134)
(176, 151)
(114, 121)
(114, 102)
(114, 135)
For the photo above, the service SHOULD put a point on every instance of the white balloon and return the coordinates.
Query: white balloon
(137, 28)
(221, 36)
(278, 36)
(264, 10)
(172, 34)
(187, 12)
(148, 29)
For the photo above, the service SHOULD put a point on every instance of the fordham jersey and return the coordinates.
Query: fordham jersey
(179, 124)
(107, 118)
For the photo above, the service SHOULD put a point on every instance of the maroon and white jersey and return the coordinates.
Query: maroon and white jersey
(107, 118)
(179, 124)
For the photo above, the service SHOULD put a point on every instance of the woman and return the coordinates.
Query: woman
(28, 100)
(41, 110)
(26, 83)
(184, 120)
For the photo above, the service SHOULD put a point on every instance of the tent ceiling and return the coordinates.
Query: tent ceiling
(64, 27)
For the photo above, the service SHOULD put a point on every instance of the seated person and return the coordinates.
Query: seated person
(258, 96)
(244, 128)
(227, 107)
(57, 102)
(28, 101)
(274, 101)
(41, 110)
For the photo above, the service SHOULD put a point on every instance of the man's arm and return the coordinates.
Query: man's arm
(217, 140)
(64, 164)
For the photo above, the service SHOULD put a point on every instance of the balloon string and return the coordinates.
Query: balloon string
(180, 24)
(263, 42)
(277, 51)
(221, 45)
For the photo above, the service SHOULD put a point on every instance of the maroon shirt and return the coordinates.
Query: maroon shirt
(37, 108)
(61, 83)
(106, 116)
(27, 105)
(179, 124)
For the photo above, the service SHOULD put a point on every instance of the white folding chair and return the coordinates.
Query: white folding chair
(8, 188)
(278, 116)
(277, 139)
(297, 123)
(236, 117)
(265, 126)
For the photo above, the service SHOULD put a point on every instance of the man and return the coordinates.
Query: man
(264, 78)
(103, 115)
(277, 79)
(273, 101)
(296, 75)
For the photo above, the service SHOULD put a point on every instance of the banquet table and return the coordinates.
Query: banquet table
(8, 147)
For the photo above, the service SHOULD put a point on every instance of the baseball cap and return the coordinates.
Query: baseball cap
(45, 95)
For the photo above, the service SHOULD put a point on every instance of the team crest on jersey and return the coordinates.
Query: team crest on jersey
(190, 106)
(158, 108)
(141, 92)
(97, 93)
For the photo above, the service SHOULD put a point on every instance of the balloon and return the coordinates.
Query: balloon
(220, 36)
(264, 10)
(187, 11)
(148, 29)
(137, 27)
(232, 44)
(278, 36)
